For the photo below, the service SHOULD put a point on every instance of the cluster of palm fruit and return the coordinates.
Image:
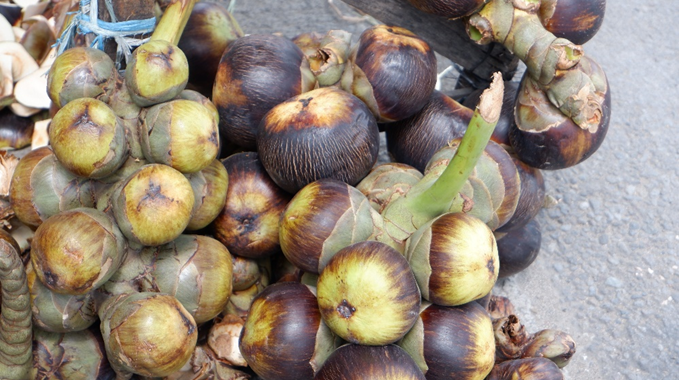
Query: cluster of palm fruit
(224, 215)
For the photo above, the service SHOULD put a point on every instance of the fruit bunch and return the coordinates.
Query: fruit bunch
(205, 215)
(130, 175)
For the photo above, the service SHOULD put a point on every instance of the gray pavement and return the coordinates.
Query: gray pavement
(608, 272)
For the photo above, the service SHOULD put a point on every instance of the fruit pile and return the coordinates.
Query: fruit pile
(216, 210)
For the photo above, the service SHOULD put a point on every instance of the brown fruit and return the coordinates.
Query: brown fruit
(248, 223)
(255, 73)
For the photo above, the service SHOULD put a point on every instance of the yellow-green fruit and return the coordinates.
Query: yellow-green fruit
(210, 187)
(88, 138)
(454, 258)
(180, 133)
(81, 72)
(368, 295)
(149, 334)
(77, 250)
(195, 269)
(157, 73)
(41, 187)
(153, 205)
(56, 312)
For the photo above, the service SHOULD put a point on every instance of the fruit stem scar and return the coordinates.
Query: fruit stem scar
(305, 102)
(345, 309)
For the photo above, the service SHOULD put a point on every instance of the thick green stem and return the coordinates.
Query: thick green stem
(16, 353)
(550, 61)
(174, 19)
(434, 194)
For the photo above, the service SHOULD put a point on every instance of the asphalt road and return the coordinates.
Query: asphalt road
(608, 271)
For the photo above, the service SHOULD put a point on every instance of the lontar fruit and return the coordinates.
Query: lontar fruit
(88, 138)
(452, 342)
(358, 362)
(77, 250)
(153, 205)
(284, 337)
(150, 334)
(368, 295)
(454, 258)
(324, 133)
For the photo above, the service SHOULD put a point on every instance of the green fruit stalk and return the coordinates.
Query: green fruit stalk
(15, 316)
(492, 190)
(552, 62)
(434, 195)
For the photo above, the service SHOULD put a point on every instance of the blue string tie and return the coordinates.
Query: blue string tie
(86, 21)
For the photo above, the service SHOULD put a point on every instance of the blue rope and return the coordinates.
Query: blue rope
(86, 21)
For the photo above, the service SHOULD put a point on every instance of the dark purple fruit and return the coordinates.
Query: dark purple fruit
(518, 248)
(531, 196)
(452, 342)
(400, 66)
(284, 337)
(575, 20)
(545, 138)
(448, 8)
(208, 31)
(414, 140)
(255, 73)
(357, 362)
(326, 133)
(248, 223)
